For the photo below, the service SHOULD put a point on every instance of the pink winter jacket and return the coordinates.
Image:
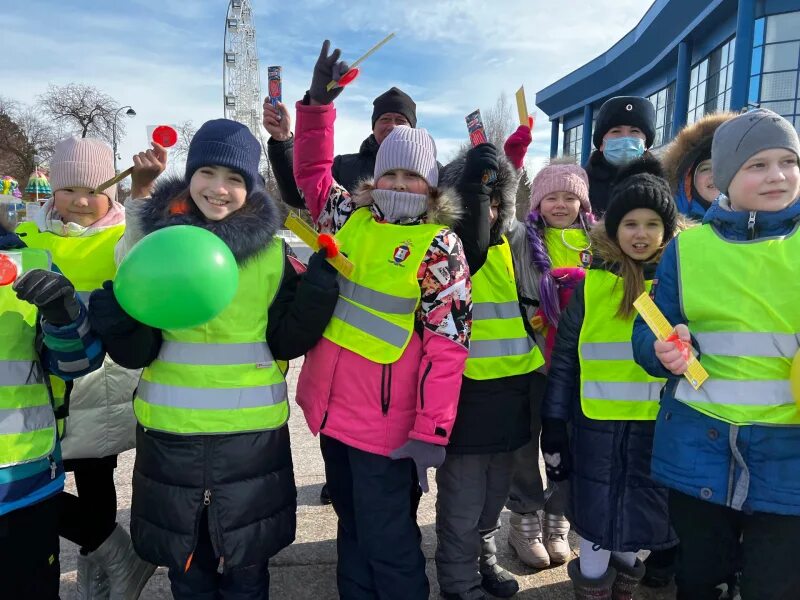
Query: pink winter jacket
(364, 404)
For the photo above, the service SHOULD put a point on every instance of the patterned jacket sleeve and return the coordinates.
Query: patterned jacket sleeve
(445, 314)
(71, 350)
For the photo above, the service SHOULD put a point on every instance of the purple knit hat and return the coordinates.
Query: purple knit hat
(560, 177)
(409, 149)
(82, 162)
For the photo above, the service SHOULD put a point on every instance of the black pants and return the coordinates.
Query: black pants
(378, 540)
(89, 518)
(709, 550)
(203, 581)
(29, 566)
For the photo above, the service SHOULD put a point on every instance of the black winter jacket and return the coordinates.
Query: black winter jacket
(613, 501)
(245, 481)
(601, 178)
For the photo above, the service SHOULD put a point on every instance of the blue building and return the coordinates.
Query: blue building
(690, 58)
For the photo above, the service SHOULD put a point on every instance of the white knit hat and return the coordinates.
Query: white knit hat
(409, 149)
(82, 162)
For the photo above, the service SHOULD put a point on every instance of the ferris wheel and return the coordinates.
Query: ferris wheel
(241, 81)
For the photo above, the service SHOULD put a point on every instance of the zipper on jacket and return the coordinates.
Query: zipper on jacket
(751, 225)
(53, 467)
(422, 385)
(206, 497)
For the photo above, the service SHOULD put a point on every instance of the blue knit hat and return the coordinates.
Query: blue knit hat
(228, 144)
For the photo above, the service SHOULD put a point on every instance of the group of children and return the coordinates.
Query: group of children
(461, 338)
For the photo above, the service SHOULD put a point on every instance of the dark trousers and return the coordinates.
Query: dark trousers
(709, 550)
(378, 540)
(202, 581)
(29, 566)
(89, 518)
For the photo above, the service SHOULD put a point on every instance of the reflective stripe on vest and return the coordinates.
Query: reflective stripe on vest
(374, 316)
(499, 344)
(746, 345)
(613, 386)
(231, 385)
(27, 423)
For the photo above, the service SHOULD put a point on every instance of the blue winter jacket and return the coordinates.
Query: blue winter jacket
(692, 209)
(66, 352)
(694, 453)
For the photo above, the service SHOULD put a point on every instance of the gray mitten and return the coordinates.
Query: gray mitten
(424, 455)
(327, 69)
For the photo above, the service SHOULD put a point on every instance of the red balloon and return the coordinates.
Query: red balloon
(165, 136)
(8, 270)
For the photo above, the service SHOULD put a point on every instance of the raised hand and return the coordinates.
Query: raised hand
(147, 166)
(328, 68)
(277, 121)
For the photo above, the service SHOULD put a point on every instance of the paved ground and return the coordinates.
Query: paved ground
(306, 570)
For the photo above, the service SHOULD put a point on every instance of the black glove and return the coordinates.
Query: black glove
(555, 449)
(106, 316)
(327, 69)
(320, 272)
(51, 293)
(481, 165)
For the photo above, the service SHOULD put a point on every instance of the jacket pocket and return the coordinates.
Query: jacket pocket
(422, 385)
(677, 441)
(386, 388)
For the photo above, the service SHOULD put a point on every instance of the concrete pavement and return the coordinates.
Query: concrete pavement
(307, 569)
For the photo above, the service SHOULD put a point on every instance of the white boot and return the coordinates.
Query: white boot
(127, 573)
(525, 538)
(92, 580)
(556, 528)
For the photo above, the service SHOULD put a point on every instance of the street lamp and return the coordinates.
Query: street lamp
(131, 113)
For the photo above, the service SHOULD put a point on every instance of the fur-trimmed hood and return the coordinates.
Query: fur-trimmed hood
(692, 141)
(444, 205)
(504, 188)
(246, 232)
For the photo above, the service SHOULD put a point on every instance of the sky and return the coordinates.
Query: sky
(164, 57)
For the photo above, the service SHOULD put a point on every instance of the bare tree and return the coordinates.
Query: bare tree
(82, 110)
(26, 139)
(498, 121)
(186, 131)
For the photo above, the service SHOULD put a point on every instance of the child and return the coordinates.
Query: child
(31, 470)
(494, 407)
(213, 475)
(730, 451)
(609, 403)
(553, 257)
(80, 230)
(687, 162)
(382, 385)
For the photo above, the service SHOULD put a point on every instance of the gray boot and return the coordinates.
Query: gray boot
(127, 573)
(494, 578)
(92, 580)
(590, 589)
(627, 580)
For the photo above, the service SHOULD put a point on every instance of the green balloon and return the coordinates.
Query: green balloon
(177, 277)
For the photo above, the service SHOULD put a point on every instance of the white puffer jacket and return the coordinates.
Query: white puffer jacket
(101, 420)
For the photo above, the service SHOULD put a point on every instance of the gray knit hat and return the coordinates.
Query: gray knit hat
(409, 149)
(735, 141)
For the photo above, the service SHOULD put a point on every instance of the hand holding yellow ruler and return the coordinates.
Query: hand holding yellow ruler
(316, 241)
(655, 319)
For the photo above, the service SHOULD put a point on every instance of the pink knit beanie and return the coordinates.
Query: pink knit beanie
(561, 177)
(409, 149)
(82, 162)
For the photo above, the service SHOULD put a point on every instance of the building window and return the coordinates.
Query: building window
(776, 64)
(573, 140)
(710, 82)
(664, 102)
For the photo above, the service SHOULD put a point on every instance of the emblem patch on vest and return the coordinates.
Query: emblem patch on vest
(586, 259)
(401, 253)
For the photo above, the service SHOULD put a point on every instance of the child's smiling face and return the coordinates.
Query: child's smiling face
(641, 233)
(767, 181)
(560, 209)
(217, 191)
(79, 205)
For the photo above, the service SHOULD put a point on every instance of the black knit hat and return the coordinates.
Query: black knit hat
(641, 184)
(229, 144)
(394, 100)
(633, 111)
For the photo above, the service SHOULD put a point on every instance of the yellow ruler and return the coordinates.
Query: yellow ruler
(306, 233)
(522, 106)
(658, 324)
(361, 59)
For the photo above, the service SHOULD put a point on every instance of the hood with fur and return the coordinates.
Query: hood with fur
(504, 189)
(444, 206)
(692, 141)
(246, 232)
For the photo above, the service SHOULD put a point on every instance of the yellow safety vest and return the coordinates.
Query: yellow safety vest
(740, 300)
(220, 377)
(568, 247)
(374, 316)
(27, 423)
(87, 261)
(499, 345)
(613, 386)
